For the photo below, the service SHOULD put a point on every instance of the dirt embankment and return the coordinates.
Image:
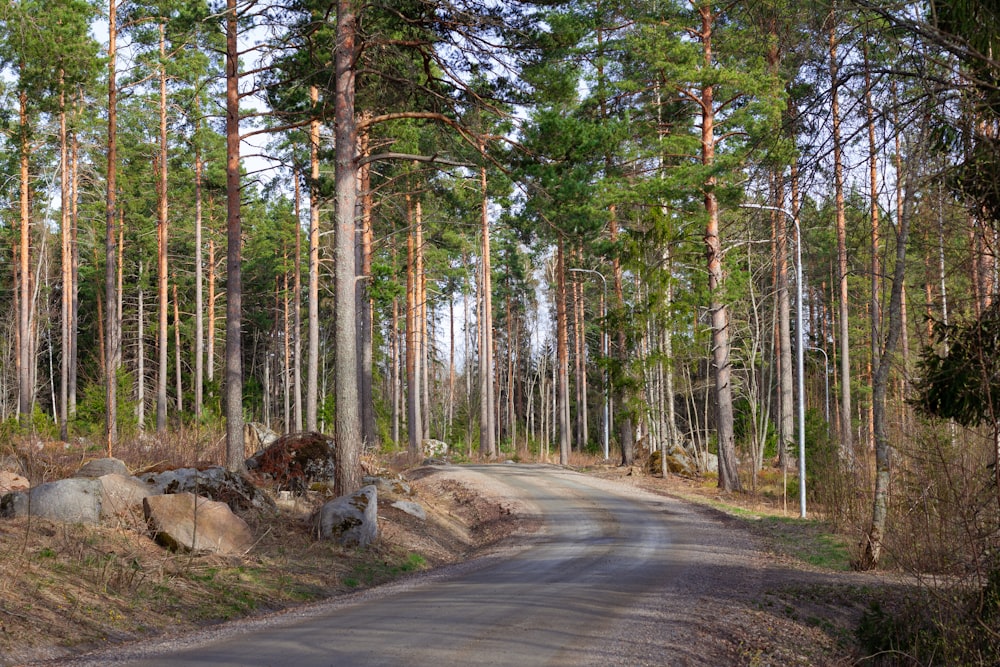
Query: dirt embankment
(66, 589)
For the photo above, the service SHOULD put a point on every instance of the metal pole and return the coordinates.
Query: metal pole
(604, 353)
(799, 356)
(826, 376)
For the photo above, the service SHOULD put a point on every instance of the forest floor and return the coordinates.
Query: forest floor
(65, 590)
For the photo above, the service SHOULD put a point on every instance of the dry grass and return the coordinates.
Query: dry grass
(67, 588)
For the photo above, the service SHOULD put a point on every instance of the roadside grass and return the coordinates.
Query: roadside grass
(372, 572)
(811, 541)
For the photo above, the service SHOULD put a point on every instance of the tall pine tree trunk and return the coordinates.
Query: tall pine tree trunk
(626, 433)
(562, 354)
(785, 422)
(297, 310)
(25, 389)
(312, 369)
(66, 265)
(111, 214)
(199, 279)
(348, 475)
(161, 248)
(728, 475)
(487, 413)
(75, 271)
(365, 304)
(234, 280)
(414, 416)
(846, 434)
(140, 363)
(178, 374)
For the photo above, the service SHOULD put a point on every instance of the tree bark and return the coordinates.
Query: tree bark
(786, 402)
(75, 272)
(297, 265)
(562, 352)
(66, 266)
(140, 372)
(25, 390)
(365, 305)
(348, 475)
(626, 433)
(210, 342)
(111, 214)
(178, 375)
(846, 434)
(234, 279)
(487, 425)
(161, 248)
(728, 475)
(421, 324)
(312, 369)
(199, 278)
(414, 416)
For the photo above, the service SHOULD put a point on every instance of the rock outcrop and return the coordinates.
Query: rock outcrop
(350, 520)
(411, 508)
(193, 523)
(73, 500)
(121, 495)
(11, 481)
(214, 483)
(100, 467)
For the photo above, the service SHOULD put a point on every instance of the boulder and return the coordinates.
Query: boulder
(350, 520)
(256, 437)
(435, 449)
(679, 462)
(193, 523)
(708, 462)
(394, 486)
(100, 467)
(73, 500)
(214, 483)
(297, 460)
(120, 494)
(411, 508)
(11, 481)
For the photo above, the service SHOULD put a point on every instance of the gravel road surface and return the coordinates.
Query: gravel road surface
(615, 576)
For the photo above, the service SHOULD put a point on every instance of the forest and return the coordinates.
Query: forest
(763, 231)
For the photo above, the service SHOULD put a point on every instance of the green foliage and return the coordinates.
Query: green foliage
(91, 409)
(961, 382)
(41, 424)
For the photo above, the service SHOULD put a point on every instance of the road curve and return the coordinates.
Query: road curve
(599, 584)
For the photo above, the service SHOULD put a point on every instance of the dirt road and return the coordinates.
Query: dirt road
(615, 576)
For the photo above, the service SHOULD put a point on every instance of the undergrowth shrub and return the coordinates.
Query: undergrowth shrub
(943, 529)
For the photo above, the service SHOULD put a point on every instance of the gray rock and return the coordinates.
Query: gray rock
(100, 467)
(678, 462)
(434, 462)
(708, 462)
(121, 494)
(389, 485)
(213, 483)
(73, 500)
(350, 520)
(193, 523)
(256, 436)
(11, 481)
(435, 448)
(411, 508)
